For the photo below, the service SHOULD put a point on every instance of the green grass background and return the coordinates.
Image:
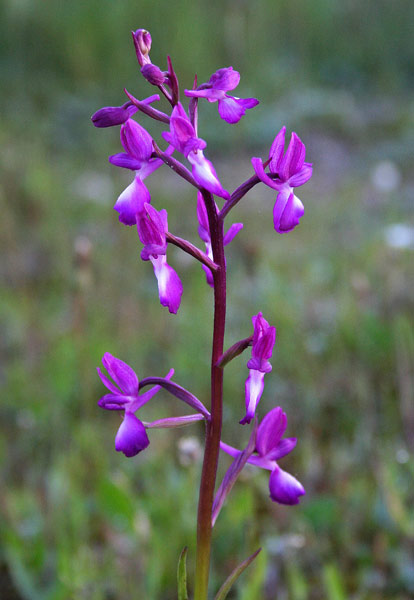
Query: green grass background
(79, 521)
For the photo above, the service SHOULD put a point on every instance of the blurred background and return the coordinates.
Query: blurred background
(78, 520)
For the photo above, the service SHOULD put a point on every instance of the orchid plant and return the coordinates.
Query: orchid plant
(287, 170)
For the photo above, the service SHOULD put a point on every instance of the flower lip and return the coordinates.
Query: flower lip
(131, 437)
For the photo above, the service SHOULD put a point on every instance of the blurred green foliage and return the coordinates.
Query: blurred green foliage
(79, 521)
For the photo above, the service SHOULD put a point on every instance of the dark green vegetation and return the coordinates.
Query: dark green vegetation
(80, 521)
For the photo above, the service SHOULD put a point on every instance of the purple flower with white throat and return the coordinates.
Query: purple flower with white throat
(204, 233)
(183, 137)
(152, 227)
(270, 447)
(288, 170)
(124, 395)
(231, 108)
(137, 143)
(264, 337)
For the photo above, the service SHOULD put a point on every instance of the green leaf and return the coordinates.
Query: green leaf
(182, 575)
(225, 588)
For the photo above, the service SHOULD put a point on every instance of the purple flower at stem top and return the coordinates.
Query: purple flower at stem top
(182, 136)
(152, 226)
(270, 447)
(288, 170)
(264, 337)
(124, 395)
(204, 233)
(231, 108)
(137, 143)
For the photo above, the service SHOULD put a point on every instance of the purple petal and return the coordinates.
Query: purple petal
(301, 176)
(136, 141)
(276, 151)
(253, 390)
(287, 211)
(121, 373)
(284, 488)
(152, 225)
(260, 172)
(248, 102)
(170, 288)
(205, 174)
(211, 94)
(209, 276)
(270, 431)
(132, 201)
(124, 160)
(114, 401)
(182, 131)
(108, 383)
(283, 448)
(131, 437)
(113, 115)
(263, 348)
(294, 158)
(225, 79)
(231, 110)
(232, 232)
(204, 227)
(149, 167)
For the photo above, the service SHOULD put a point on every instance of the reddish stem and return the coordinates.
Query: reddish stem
(213, 427)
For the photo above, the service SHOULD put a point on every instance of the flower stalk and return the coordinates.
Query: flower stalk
(213, 429)
(285, 172)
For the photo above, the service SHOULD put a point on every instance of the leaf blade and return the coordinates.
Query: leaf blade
(235, 574)
(182, 575)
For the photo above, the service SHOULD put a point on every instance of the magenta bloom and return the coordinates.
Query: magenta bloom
(137, 157)
(152, 226)
(288, 170)
(182, 136)
(263, 341)
(132, 436)
(204, 233)
(270, 447)
(231, 109)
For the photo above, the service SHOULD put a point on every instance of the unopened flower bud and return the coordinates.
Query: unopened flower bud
(153, 74)
(142, 43)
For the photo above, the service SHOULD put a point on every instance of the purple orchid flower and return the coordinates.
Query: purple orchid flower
(287, 171)
(204, 233)
(132, 436)
(152, 226)
(231, 109)
(262, 347)
(270, 447)
(182, 136)
(137, 157)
